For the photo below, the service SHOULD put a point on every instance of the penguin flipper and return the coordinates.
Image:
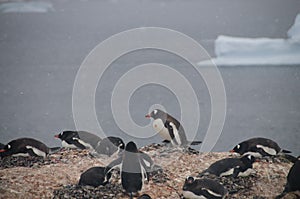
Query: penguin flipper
(113, 165)
(75, 141)
(146, 159)
(171, 133)
(291, 158)
(285, 151)
(195, 142)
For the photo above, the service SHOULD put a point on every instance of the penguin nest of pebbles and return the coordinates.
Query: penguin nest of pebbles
(57, 176)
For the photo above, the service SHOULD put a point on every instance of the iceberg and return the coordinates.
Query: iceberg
(26, 7)
(238, 51)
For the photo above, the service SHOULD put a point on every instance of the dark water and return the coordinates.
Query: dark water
(41, 54)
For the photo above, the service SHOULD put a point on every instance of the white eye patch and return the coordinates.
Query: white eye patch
(8, 146)
(155, 111)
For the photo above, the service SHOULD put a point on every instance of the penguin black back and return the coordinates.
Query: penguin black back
(132, 175)
(25, 147)
(293, 178)
(78, 139)
(259, 147)
(205, 188)
(231, 166)
(94, 176)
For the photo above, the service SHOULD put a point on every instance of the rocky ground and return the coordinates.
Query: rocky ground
(57, 175)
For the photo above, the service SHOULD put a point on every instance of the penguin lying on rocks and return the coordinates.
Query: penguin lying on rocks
(234, 167)
(133, 168)
(94, 177)
(259, 147)
(110, 145)
(293, 179)
(27, 147)
(169, 128)
(203, 188)
(78, 139)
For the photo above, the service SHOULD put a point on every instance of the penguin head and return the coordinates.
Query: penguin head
(188, 183)
(66, 134)
(156, 113)
(239, 148)
(248, 159)
(131, 147)
(117, 142)
(5, 148)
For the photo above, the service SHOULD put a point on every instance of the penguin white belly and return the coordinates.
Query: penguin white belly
(213, 193)
(67, 145)
(227, 173)
(255, 154)
(191, 195)
(37, 151)
(160, 128)
(268, 150)
(21, 155)
(246, 173)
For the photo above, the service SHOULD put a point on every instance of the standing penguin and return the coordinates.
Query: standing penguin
(169, 128)
(293, 179)
(258, 147)
(231, 167)
(203, 188)
(78, 139)
(26, 147)
(132, 169)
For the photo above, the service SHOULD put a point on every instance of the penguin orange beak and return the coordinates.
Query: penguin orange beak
(232, 151)
(148, 116)
(56, 136)
(2, 150)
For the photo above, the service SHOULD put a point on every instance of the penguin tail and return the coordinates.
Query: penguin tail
(232, 192)
(290, 158)
(285, 151)
(131, 195)
(196, 142)
(54, 150)
(280, 195)
(203, 173)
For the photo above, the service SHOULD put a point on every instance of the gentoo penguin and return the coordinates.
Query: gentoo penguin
(169, 128)
(293, 179)
(110, 145)
(94, 176)
(132, 169)
(234, 167)
(258, 147)
(203, 188)
(78, 139)
(26, 147)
